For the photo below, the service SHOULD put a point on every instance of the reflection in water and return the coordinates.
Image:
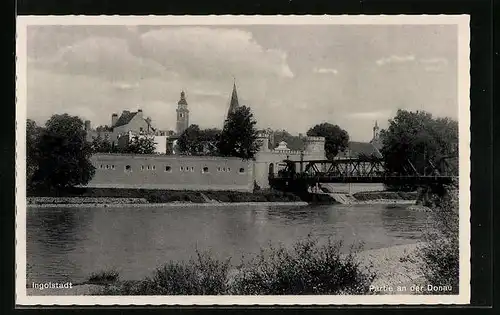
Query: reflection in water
(69, 244)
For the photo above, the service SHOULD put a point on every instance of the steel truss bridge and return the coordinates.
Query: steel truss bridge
(360, 170)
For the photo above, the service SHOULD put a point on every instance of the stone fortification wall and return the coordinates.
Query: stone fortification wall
(171, 172)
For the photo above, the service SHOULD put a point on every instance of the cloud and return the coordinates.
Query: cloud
(395, 59)
(125, 85)
(434, 64)
(201, 51)
(325, 71)
(101, 57)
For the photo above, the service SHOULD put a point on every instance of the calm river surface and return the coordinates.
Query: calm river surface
(70, 243)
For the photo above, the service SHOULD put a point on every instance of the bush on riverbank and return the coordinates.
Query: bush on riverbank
(103, 277)
(307, 268)
(203, 275)
(440, 255)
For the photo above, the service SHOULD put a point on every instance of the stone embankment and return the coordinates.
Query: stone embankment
(83, 200)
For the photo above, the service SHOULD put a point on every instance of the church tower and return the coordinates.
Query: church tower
(234, 104)
(182, 114)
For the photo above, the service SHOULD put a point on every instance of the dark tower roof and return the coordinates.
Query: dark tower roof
(182, 101)
(234, 104)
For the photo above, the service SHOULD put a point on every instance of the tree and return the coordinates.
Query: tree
(63, 154)
(210, 138)
(101, 145)
(140, 145)
(194, 141)
(336, 138)
(33, 133)
(294, 142)
(189, 142)
(419, 138)
(239, 136)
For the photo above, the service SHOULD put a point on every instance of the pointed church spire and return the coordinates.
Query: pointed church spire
(234, 104)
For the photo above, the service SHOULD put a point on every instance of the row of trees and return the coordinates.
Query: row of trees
(239, 137)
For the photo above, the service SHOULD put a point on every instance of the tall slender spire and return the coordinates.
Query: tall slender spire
(234, 104)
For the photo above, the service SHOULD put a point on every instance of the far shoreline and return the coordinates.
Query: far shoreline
(215, 204)
(166, 204)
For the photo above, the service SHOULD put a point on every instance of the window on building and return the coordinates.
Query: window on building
(218, 169)
(168, 168)
(229, 169)
(128, 168)
(112, 167)
(242, 170)
(182, 168)
(192, 168)
(142, 167)
(154, 167)
(107, 167)
(205, 170)
(223, 169)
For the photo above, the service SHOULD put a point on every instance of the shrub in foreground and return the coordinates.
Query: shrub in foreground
(103, 277)
(203, 275)
(305, 269)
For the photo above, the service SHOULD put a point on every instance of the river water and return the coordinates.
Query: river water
(67, 244)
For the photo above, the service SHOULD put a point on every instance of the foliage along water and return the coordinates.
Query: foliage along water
(69, 244)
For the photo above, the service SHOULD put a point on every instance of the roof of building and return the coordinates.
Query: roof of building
(355, 149)
(125, 118)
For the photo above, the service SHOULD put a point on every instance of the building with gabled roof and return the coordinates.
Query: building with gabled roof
(132, 122)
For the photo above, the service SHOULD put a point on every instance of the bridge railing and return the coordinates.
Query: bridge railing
(368, 167)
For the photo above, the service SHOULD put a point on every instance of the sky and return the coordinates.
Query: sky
(292, 76)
